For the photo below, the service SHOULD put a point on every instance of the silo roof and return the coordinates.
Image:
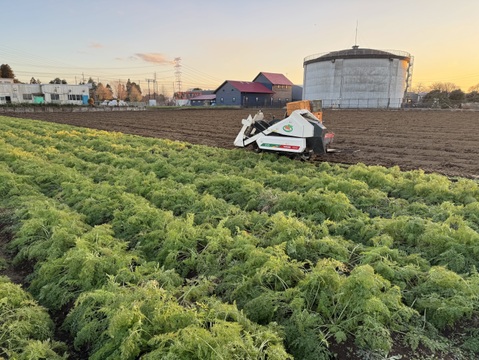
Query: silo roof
(357, 53)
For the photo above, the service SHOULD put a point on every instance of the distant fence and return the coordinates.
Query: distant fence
(374, 103)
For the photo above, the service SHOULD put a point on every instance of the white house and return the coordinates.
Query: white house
(11, 93)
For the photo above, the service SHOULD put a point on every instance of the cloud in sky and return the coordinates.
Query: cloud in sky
(156, 58)
(95, 45)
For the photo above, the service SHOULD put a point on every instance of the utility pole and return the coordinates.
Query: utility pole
(153, 81)
(156, 87)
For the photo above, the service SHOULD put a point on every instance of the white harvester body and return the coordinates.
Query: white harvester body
(299, 133)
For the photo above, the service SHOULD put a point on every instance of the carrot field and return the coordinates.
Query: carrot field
(117, 246)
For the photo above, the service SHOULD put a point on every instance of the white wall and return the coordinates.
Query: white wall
(52, 93)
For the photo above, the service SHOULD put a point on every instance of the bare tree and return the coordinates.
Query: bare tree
(450, 87)
(419, 88)
(444, 86)
(474, 88)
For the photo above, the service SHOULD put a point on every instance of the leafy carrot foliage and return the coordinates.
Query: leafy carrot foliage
(162, 249)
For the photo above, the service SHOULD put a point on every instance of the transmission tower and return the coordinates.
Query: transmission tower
(177, 62)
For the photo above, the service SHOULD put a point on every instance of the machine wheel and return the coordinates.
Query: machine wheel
(256, 148)
(306, 156)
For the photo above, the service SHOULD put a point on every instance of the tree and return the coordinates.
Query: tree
(93, 87)
(103, 92)
(444, 86)
(474, 88)
(6, 72)
(92, 82)
(473, 96)
(419, 88)
(437, 99)
(58, 81)
(457, 95)
(134, 94)
(121, 93)
(133, 90)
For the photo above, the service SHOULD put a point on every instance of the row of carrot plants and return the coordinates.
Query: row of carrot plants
(85, 269)
(289, 257)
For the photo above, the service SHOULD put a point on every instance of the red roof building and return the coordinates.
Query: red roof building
(272, 78)
(266, 90)
(279, 84)
(249, 87)
(243, 93)
(206, 99)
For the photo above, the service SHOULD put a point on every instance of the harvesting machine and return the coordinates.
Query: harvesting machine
(301, 133)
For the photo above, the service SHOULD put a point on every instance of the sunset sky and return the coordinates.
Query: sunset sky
(231, 40)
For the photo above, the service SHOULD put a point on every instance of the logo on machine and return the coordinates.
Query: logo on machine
(288, 128)
(281, 146)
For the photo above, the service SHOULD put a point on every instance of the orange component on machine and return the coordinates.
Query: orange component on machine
(313, 106)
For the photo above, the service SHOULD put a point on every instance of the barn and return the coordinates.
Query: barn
(281, 86)
(244, 93)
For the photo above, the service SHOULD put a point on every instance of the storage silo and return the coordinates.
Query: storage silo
(358, 78)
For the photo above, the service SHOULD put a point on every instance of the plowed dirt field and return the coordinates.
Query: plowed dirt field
(446, 142)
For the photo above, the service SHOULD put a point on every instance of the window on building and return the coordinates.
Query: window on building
(27, 97)
(234, 99)
(74, 97)
(55, 97)
(222, 100)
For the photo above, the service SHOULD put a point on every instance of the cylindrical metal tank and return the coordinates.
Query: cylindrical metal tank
(358, 78)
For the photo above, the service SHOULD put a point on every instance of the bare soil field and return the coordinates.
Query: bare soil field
(446, 142)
